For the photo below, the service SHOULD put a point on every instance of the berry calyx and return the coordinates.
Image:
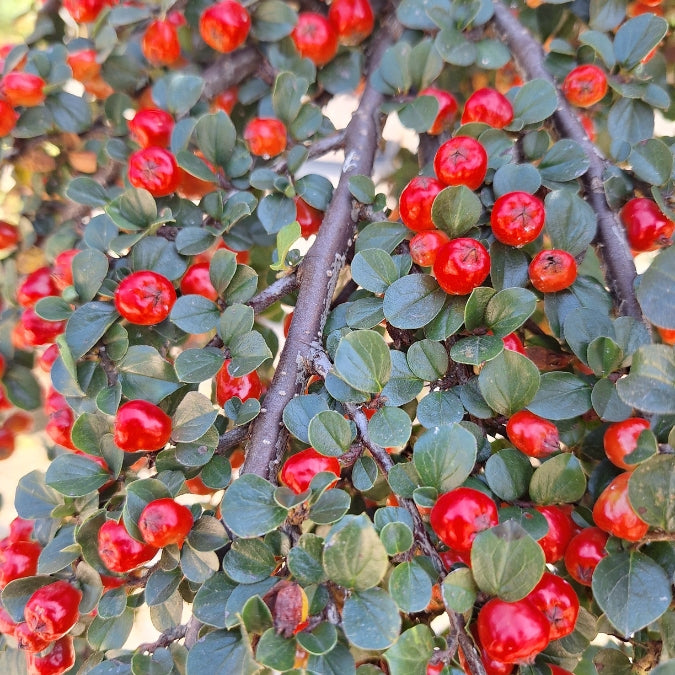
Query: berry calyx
(552, 270)
(532, 435)
(461, 265)
(141, 425)
(558, 601)
(299, 469)
(517, 218)
(461, 161)
(145, 298)
(155, 170)
(164, 521)
(488, 106)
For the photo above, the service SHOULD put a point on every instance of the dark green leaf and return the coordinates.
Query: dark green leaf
(396, 538)
(112, 633)
(509, 382)
(561, 396)
(193, 417)
(566, 160)
(370, 619)
(71, 113)
(508, 474)
(410, 586)
(650, 490)
(249, 508)
(221, 651)
(535, 101)
(384, 235)
(34, 498)
(649, 385)
(362, 189)
(75, 476)
(413, 301)
(403, 386)
(362, 360)
(630, 120)
(637, 37)
(559, 480)
(247, 352)
(329, 433)
(456, 210)
(516, 177)
(87, 325)
(248, 561)
(22, 388)
(459, 590)
(652, 161)
(411, 652)
(428, 360)
(146, 375)
(419, 114)
(438, 408)
(476, 349)
(657, 304)
(390, 427)
(570, 221)
(198, 365)
(374, 270)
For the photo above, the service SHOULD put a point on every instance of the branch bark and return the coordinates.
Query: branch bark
(230, 70)
(320, 270)
(611, 242)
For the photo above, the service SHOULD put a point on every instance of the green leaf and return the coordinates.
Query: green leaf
(71, 113)
(456, 210)
(21, 387)
(607, 14)
(419, 114)
(178, 92)
(299, 412)
(508, 266)
(474, 311)
(256, 615)
(243, 285)
(104, 634)
(75, 476)
(235, 321)
(353, 555)
(444, 456)
(304, 559)
(158, 255)
(570, 221)
(362, 189)
(193, 417)
(338, 661)
(286, 237)
(320, 640)
(374, 270)
(396, 538)
(59, 553)
(425, 64)
(455, 48)
(133, 210)
(247, 352)
(601, 44)
(476, 348)
(198, 365)
(159, 588)
(637, 37)
(535, 101)
(53, 308)
(402, 386)
(87, 191)
(390, 427)
(509, 382)
(559, 480)
(34, 498)
(410, 586)
(438, 408)
(195, 314)
(428, 360)
(561, 396)
(287, 95)
(249, 508)
(604, 356)
(146, 375)
(652, 161)
(329, 433)
(386, 235)
(649, 385)
(90, 268)
(459, 590)
(273, 20)
(658, 306)
(631, 589)
(362, 360)
(248, 561)
(506, 561)
(413, 301)
(516, 177)
(330, 506)
(508, 474)
(606, 402)
(275, 652)
(411, 652)
(221, 651)
(370, 619)
(211, 599)
(509, 309)
(87, 325)
(650, 490)
(564, 161)
(198, 566)
(630, 120)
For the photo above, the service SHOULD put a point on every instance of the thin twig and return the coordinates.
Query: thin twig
(612, 246)
(231, 439)
(275, 291)
(318, 148)
(164, 640)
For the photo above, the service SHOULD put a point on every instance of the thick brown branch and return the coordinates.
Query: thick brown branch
(319, 277)
(613, 248)
(231, 439)
(230, 70)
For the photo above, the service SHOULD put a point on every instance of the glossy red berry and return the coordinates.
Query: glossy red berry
(24, 89)
(585, 85)
(155, 170)
(8, 119)
(315, 38)
(425, 245)
(229, 386)
(7, 441)
(299, 469)
(59, 427)
(85, 11)
(119, 551)
(552, 270)
(459, 515)
(226, 100)
(514, 344)
(461, 265)
(489, 107)
(647, 228)
(461, 161)
(62, 269)
(447, 109)
(37, 285)
(28, 640)
(560, 530)
(151, 126)
(492, 666)
(164, 521)
(84, 64)
(353, 20)
(613, 512)
(21, 529)
(9, 234)
(145, 298)
(517, 218)
(559, 603)
(160, 44)
(532, 435)
(265, 136)
(38, 331)
(197, 280)
(584, 552)
(59, 660)
(308, 217)
(53, 609)
(225, 25)
(512, 632)
(621, 439)
(416, 201)
(141, 425)
(18, 559)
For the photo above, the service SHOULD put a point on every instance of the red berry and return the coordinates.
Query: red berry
(424, 246)
(226, 100)
(160, 44)
(30, 641)
(560, 531)
(461, 161)
(85, 11)
(461, 265)
(552, 270)
(21, 529)
(512, 632)
(315, 38)
(514, 343)
(517, 218)
(559, 603)
(585, 85)
(532, 435)
(613, 512)
(141, 425)
(447, 109)
(164, 522)
(59, 660)
(8, 118)
(416, 201)
(308, 217)
(84, 64)
(228, 386)
(621, 439)
(265, 136)
(197, 280)
(119, 551)
(18, 559)
(492, 666)
(53, 609)
(23, 89)
(584, 552)
(59, 427)
(353, 20)
(646, 227)
(154, 169)
(145, 298)
(299, 469)
(9, 234)
(7, 441)
(38, 331)
(37, 285)
(151, 126)
(62, 269)
(489, 107)
(459, 515)
(225, 25)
